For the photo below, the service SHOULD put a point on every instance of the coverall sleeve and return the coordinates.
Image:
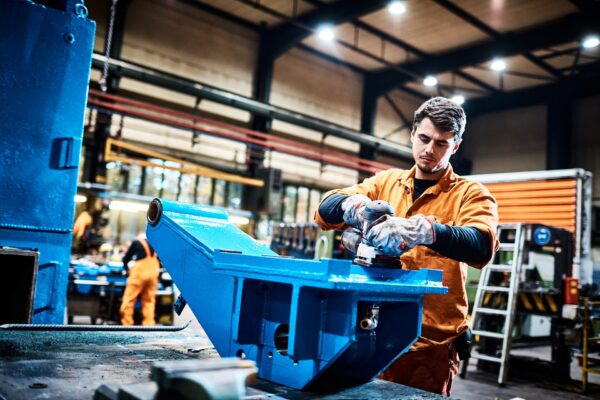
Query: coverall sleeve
(370, 187)
(480, 210)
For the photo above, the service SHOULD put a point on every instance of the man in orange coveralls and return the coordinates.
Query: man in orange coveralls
(442, 221)
(142, 281)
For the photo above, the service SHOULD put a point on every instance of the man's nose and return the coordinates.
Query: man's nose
(429, 147)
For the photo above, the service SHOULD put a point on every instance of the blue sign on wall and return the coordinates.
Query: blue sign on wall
(542, 236)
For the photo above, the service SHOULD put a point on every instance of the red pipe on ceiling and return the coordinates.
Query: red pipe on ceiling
(233, 132)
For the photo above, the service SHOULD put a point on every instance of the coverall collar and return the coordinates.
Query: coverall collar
(444, 184)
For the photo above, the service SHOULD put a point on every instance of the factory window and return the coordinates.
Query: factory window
(134, 179)
(234, 195)
(153, 179)
(170, 182)
(204, 190)
(289, 204)
(302, 204)
(114, 176)
(219, 193)
(187, 188)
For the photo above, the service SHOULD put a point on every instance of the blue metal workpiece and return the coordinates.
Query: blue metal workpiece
(45, 58)
(306, 323)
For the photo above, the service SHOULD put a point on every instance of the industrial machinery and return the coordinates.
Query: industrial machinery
(45, 53)
(542, 302)
(306, 323)
(96, 291)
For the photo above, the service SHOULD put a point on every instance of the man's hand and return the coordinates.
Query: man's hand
(397, 235)
(354, 210)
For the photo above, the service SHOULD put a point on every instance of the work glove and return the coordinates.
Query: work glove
(354, 210)
(397, 235)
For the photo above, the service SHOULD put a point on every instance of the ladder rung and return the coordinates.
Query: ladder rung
(485, 310)
(507, 247)
(499, 267)
(479, 356)
(488, 334)
(496, 289)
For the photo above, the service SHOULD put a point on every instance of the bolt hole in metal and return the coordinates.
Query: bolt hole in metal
(369, 322)
(154, 212)
(241, 354)
(80, 10)
(282, 334)
(69, 38)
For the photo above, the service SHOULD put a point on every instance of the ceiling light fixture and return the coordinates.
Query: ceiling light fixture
(325, 32)
(498, 65)
(430, 81)
(458, 99)
(590, 42)
(396, 7)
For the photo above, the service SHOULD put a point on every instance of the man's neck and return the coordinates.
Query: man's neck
(433, 176)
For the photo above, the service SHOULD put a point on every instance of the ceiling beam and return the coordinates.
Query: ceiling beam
(488, 30)
(585, 83)
(285, 36)
(566, 29)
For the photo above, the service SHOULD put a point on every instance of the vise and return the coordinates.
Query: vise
(306, 323)
(45, 53)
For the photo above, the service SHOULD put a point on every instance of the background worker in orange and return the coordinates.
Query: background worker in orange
(142, 281)
(442, 221)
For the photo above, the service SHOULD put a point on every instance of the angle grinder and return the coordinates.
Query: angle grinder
(355, 243)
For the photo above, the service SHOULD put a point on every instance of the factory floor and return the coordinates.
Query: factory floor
(72, 365)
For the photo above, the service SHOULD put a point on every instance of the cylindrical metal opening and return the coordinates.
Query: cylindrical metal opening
(281, 338)
(154, 212)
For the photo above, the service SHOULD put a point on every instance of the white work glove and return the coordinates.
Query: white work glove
(354, 210)
(396, 235)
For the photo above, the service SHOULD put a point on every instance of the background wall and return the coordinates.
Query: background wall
(507, 141)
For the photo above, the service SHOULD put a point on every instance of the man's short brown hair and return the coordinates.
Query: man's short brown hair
(446, 115)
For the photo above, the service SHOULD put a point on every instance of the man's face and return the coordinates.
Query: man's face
(431, 147)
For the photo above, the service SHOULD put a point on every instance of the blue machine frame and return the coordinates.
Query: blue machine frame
(304, 322)
(45, 55)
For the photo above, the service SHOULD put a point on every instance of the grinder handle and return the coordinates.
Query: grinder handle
(375, 210)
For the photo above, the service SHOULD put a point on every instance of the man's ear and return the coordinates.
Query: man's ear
(456, 146)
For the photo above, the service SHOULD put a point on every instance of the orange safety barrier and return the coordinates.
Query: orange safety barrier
(552, 202)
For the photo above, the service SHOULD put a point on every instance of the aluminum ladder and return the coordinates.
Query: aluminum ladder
(485, 287)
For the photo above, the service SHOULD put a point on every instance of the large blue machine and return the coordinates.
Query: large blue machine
(304, 322)
(45, 58)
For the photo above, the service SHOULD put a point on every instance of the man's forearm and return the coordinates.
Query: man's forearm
(461, 243)
(330, 208)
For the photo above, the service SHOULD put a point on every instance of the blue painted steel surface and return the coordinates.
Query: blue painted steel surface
(298, 319)
(45, 54)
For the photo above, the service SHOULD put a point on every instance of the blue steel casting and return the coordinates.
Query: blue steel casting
(304, 322)
(45, 59)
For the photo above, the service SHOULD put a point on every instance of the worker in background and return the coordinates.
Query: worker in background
(89, 226)
(142, 281)
(442, 221)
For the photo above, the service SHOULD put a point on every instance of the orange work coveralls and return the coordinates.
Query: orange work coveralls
(432, 362)
(142, 282)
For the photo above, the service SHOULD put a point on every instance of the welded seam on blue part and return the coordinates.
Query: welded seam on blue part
(34, 228)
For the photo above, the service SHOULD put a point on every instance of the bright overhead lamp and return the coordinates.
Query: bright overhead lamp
(430, 81)
(498, 65)
(325, 32)
(590, 42)
(458, 99)
(396, 7)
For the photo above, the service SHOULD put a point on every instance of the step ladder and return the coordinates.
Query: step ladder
(485, 288)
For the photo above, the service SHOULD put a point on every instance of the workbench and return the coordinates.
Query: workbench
(72, 365)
